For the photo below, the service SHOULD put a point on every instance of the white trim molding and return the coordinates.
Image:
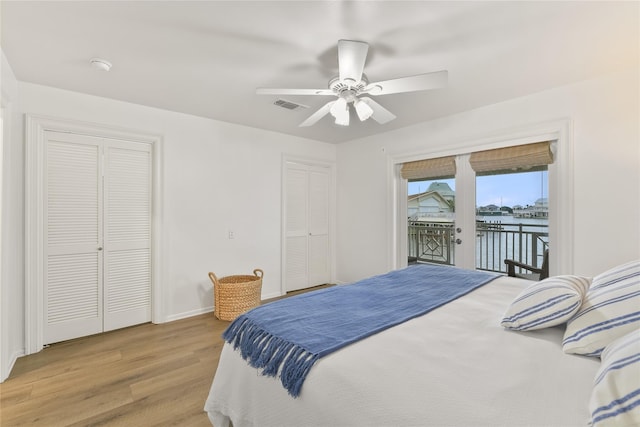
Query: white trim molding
(10, 349)
(6, 363)
(561, 186)
(191, 313)
(36, 126)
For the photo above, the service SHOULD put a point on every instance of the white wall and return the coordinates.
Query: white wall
(216, 176)
(605, 117)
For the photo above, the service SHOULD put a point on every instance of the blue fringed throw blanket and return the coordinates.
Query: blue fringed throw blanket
(288, 336)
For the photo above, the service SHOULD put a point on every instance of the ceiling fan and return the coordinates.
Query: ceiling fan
(351, 83)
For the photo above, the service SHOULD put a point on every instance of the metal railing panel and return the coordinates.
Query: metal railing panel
(495, 242)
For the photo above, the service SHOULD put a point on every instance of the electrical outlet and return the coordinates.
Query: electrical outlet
(231, 236)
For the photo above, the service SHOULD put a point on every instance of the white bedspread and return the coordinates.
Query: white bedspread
(454, 366)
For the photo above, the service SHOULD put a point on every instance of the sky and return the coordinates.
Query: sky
(500, 190)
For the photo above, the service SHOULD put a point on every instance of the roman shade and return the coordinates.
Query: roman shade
(440, 167)
(516, 158)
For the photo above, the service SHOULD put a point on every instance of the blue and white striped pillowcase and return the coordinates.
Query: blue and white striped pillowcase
(610, 310)
(615, 398)
(549, 302)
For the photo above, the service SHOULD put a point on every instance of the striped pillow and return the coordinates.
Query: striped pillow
(547, 303)
(615, 399)
(610, 310)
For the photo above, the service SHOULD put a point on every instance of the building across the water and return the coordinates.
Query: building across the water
(539, 210)
(437, 202)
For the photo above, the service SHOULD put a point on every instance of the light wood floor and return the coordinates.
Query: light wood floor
(146, 375)
(142, 376)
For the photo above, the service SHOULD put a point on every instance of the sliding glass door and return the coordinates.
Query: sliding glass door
(494, 206)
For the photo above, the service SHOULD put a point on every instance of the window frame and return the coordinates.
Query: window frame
(561, 187)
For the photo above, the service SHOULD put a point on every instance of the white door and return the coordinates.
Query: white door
(306, 226)
(295, 227)
(318, 226)
(73, 233)
(97, 231)
(127, 235)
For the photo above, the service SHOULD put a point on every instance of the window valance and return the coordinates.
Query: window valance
(516, 158)
(441, 167)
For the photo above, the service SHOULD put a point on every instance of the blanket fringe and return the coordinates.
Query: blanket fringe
(274, 355)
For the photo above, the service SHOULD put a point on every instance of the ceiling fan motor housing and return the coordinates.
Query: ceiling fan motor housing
(346, 90)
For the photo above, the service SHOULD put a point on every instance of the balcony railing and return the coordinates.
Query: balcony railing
(495, 241)
(431, 242)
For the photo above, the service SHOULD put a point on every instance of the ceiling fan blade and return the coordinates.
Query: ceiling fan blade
(380, 114)
(351, 57)
(425, 81)
(270, 91)
(323, 111)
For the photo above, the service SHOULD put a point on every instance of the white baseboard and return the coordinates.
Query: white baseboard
(271, 295)
(12, 362)
(187, 314)
(199, 311)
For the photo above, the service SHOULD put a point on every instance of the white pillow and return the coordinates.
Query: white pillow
(549, 302)
(610, 310)
(615, 399)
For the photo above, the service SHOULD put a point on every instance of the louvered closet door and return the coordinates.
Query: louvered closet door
(127, 235)
(97, 216)
(73, 230)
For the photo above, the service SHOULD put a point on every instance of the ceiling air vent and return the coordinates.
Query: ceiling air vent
(289, 105)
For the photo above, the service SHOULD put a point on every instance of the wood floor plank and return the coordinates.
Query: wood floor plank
(17, 394)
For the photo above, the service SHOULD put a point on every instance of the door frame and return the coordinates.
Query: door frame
(3, 334)
(561, 187)
(36, 126)
(332, 213)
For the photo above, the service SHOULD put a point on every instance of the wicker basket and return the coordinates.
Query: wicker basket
(233, 295)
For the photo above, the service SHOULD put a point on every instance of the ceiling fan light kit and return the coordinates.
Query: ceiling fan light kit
(351, 82)
(362, 109)
(338, 107)
(340, 111)
(343, 119)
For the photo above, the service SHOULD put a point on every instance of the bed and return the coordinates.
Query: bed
(453, 366)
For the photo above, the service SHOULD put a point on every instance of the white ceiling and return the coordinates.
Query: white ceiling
(206, 58)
